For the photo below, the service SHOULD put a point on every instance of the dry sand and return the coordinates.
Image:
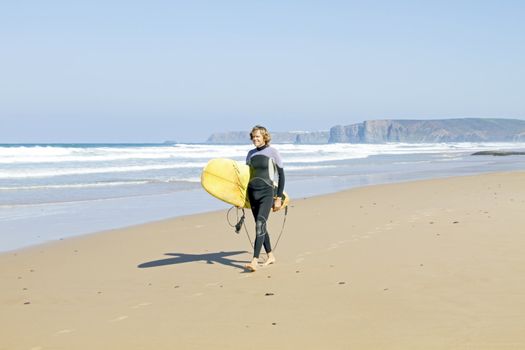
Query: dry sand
(436, 264)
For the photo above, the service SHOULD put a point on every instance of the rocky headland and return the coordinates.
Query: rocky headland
(498, 153)
(398, 130)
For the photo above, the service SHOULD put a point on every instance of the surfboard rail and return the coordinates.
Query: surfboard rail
(227, 180)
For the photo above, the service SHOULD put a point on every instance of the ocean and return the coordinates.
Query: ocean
(50, 192)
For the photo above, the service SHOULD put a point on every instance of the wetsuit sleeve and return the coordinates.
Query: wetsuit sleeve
(277, 158)
(248, 157)
(280, 185)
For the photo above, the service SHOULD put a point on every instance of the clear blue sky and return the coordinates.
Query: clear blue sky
(149, 71)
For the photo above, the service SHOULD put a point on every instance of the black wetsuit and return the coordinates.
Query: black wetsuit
(264, 163)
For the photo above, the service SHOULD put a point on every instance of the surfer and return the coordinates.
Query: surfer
(264, 194)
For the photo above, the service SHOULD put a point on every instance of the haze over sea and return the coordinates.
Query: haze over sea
(53, 191)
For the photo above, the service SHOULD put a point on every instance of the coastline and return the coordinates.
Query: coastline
(424, 264)
(28, 218)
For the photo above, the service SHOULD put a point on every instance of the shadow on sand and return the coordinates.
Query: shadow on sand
(210, 258)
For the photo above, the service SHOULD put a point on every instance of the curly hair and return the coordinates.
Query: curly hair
(264, 132)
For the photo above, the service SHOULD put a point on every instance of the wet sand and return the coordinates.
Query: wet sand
(437, 264)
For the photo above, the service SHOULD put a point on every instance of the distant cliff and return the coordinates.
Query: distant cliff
(418, 131)
(314, 137)
(410, 131)
(241, 137)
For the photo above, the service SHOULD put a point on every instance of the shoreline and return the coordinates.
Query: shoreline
(214, 205)
(158, 194)
(428, 264)
(65, 220)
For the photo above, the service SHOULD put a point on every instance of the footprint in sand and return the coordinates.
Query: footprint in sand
(141, 305)
(118, 319)
(299, 260)
(390, 226)
(332, 247)
(303, 254)
(212, 284)
(64, 331)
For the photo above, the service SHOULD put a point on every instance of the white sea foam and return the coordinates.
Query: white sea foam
(308, 167)
(55, 154)
(53, 172)
(26, 162)
(73, 186)
(45, 188)
(97, 184)
(194, 179)
(180, 152)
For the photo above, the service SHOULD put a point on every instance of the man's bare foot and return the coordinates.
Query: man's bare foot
(252, 266)
(270, 260)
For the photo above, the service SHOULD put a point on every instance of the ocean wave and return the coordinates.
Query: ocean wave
(22, 162)
(190, 152)
(54, 172)
(309, 167)
(99, 184)
(73, 186)
(53, 154)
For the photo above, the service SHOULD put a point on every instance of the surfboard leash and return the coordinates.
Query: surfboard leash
(282, 228)
(240, 223)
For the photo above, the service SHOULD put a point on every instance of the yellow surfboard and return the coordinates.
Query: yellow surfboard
(227, 180)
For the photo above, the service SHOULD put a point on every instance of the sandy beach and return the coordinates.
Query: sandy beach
(435, 264)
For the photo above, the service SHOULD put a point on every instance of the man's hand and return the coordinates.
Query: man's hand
(277, 203)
